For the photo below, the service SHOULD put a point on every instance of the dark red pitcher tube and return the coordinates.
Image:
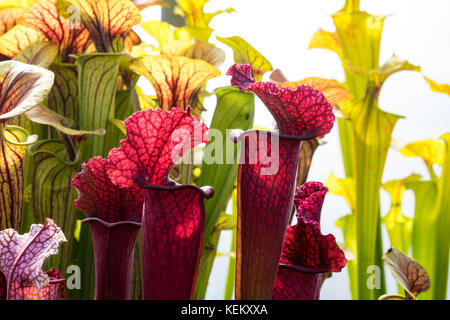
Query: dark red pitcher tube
(113, 252)
(265, 185)
(171, 239)
(297, 283)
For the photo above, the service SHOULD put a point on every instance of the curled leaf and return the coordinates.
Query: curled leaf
(326, 40)
(175, 79)
(156, 140)
(99, 197)
(306, 252)
(344, 187)
(43, 115)
(303, 112)
(407, 272)
(22, 257)
(23, 87)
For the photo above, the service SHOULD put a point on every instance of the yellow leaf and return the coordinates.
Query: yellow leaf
(190, 33)
(326, 40)
(8, 18)
(175, 48)
(106, 20)
(17, 39)
(344, 187)
(430, 150)
(160, 30)
(207, 52)
(192, 11)
(332, 90)
(44, 17)
(175, 78)
(438, 87)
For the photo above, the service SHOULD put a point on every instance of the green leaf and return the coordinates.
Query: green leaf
(64, 96)
(234, 110)
(43, 115)
(359, 36)
(97, 77)
(41, 54)
(136, 286)
(424, 228)
(231, 275)
(115, 128)
(13, 143)
(379, 75)
(52, 196)
(243, 52)
(397, 224)
(372, 130)
(442, 247)
(225, 222)
(347, 225)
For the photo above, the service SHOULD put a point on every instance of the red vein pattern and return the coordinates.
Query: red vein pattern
(22, 87)
(303, 112)
(2, 287)
(11, 183)
(175, 78)
(8, 18)
(156, 139)
(99, 197)
(173, 219)
(107, 20)
(172, 239)
(264, 206)
(54, 290)
(21, 259)
(114, 220)
(306, 252)
(44, 16)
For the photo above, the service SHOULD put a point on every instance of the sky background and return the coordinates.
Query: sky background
(415, 30)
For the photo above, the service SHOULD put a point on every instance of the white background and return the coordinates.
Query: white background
(417, 31)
